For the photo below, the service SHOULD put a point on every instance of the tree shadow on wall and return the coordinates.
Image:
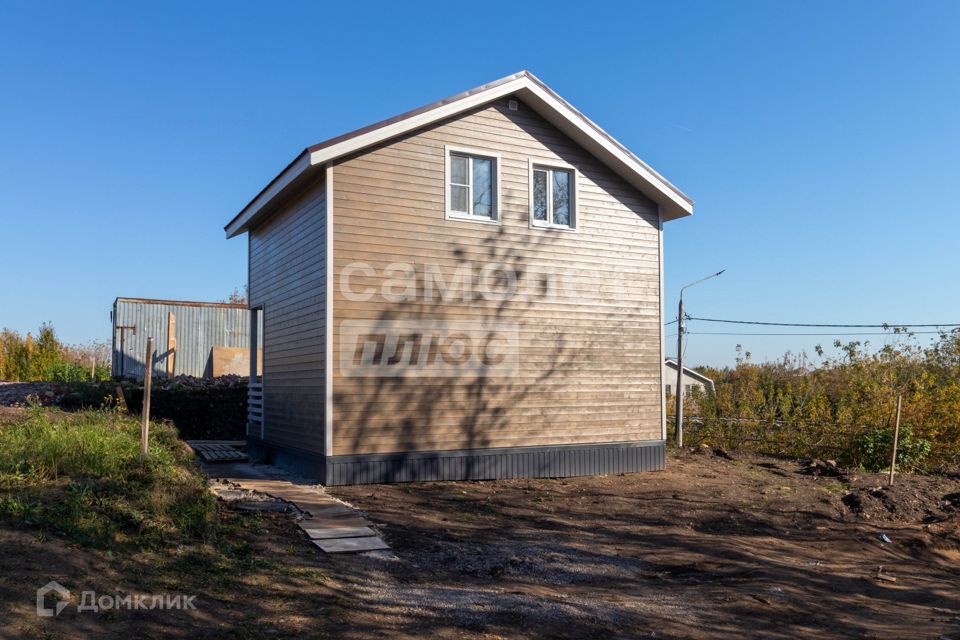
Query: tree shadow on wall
(406, 411)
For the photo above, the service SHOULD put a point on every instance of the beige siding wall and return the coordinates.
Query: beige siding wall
(288, 277)
(589, 360)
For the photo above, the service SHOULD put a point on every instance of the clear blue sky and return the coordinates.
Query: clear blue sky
(821, 140)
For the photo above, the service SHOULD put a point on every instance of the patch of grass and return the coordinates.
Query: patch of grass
(81, 476)
(833, 487)
(224, 565)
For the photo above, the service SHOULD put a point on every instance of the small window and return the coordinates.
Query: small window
(668, 390)
(472, 185)
(686, 389)
(552, 197)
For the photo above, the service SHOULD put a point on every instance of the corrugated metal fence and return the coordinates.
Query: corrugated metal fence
(198, 328)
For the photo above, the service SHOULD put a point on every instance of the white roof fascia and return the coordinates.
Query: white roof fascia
(672, 203)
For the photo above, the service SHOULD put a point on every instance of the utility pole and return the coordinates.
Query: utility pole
(681, 327)
(678, 414)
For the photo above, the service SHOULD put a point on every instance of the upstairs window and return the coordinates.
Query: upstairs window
(472, 185)
(552, 197)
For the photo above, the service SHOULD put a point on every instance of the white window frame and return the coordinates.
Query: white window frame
(486, 154)
(555, 165)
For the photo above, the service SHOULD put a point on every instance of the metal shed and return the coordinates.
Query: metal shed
(185, 335)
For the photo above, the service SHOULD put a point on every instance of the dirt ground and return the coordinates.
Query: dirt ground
(712, 548)
(715, 547)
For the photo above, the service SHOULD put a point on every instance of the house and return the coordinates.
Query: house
(201, 339)
(472, 289)
(689, 381)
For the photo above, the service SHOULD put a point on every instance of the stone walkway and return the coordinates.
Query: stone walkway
(330, 524)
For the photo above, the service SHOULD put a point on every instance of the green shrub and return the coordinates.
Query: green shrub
(797, 407)
(88, 395)
(871, 450)
(82, 476)
(45, 358)
(63, 371)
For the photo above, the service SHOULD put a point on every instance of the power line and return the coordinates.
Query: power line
(885, 325)
(734, 333)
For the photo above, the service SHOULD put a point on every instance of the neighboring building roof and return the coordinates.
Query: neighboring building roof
(534, 93)
(184, 303)
(690, 373)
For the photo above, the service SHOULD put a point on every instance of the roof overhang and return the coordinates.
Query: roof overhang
(672, 202)
(183, 303)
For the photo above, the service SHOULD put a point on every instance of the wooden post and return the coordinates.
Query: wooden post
(93, 368)
(171, 343)
(123, 350)
(147, 383)
(896, 438)
(121, 401)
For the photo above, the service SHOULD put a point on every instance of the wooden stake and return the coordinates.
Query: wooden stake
(121, 401)
(896, 438)
(147, 383)
(171, 343)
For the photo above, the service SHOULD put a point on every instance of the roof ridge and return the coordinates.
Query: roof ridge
(525, 85)
(418, 110)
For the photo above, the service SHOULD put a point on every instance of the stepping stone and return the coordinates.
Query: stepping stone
(301, 490)
(325, 510)
(326, 533)
(317, 502)
(262, 505)
(330, 523)
(351, 545)
(292, 493)
(309, 496)
(264, 486)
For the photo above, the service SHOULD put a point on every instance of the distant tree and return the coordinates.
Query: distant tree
(46, 358)
(94, 351)
(237, 296)
(45, 352)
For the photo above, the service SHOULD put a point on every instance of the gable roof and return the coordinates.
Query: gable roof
(672, 363)
(534, 93)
